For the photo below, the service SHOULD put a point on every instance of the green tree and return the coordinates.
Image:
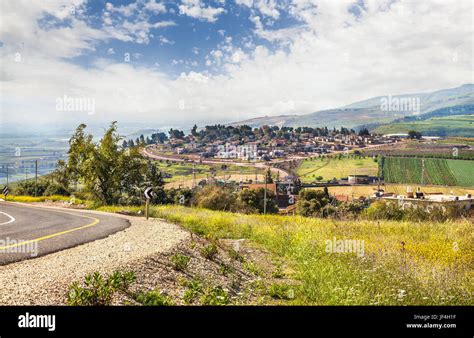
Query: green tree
(268, 176)
(312, 202)
(413, 134)
(252, 200)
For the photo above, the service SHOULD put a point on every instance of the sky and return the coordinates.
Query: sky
(193, 61)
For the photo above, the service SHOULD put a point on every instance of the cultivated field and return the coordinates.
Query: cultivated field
(455, 125)
(436, 171)
(329, 168)
(442, 148)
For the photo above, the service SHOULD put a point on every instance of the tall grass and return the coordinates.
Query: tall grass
(32, 199)
(404, 263)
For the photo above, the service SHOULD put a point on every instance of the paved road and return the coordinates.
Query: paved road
(148, 153)
(30, 231)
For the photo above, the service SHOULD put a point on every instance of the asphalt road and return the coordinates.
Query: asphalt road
(31, 231)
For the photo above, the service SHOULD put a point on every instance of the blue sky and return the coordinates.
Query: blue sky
(211, 61)
(185, 45)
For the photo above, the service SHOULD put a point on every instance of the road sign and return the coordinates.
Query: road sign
(149, 193)
(5, 191)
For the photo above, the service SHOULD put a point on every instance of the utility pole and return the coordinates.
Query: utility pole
(422, 171)
(265, 197)
(7, 175)
(36, 177)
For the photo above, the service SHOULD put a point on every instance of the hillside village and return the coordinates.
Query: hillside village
(267, 143)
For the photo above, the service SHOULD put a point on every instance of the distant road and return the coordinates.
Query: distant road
(23, 228)
(147, 153)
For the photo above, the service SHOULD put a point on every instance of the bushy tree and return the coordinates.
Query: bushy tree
(109, 172)
(312, 202)
(217, 198)
(252, 200)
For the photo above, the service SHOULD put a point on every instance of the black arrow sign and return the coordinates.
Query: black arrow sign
(149, 193)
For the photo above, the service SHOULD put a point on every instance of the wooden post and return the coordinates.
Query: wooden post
(147, 207)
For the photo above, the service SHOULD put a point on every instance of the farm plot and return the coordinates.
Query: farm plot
(436, 171)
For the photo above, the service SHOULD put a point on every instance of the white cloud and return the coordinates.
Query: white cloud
(155, 7)
(268, 8)
(196, 9)
(337, 59)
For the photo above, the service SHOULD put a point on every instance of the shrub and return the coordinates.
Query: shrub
(180, 261)
(281, 291)
(236, 255)
(29, 187)
(153, 298)
(216, 198)
(215, 296)
(194, 289)
(225, 269)
(97, 290)
(209, 251)
(383, 210)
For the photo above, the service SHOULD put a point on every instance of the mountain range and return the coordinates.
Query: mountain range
(377, 111)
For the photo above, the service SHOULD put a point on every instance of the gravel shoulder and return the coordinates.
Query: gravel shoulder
(44, 280)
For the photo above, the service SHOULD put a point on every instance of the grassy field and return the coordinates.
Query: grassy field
(439, 149)
(469, 141)
(436, 171)
(433, 266)
(455, 125)
(182, 173)
(329, 168)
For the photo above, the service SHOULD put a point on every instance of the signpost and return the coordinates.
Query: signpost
(148, 195)
(5, 192)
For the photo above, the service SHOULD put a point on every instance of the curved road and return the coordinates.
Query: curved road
(281, 172)
(30, 231)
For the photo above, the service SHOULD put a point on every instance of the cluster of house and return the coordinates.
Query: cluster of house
(269, 148)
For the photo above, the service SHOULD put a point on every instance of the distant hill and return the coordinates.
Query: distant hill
(372, 112)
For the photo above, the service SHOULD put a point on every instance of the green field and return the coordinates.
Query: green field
(455, 125)
(184, 171)
(436, 171)
(329, 168)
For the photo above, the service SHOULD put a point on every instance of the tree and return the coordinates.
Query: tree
(194, 131)
(413, 134)
(312, 202)
(252, 200)
(80, 149)
(154, 179)
(268, 176)
(107, 171)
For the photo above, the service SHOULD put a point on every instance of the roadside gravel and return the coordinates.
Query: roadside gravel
(44, 280)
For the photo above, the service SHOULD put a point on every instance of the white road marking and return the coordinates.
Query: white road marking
(12, 219)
